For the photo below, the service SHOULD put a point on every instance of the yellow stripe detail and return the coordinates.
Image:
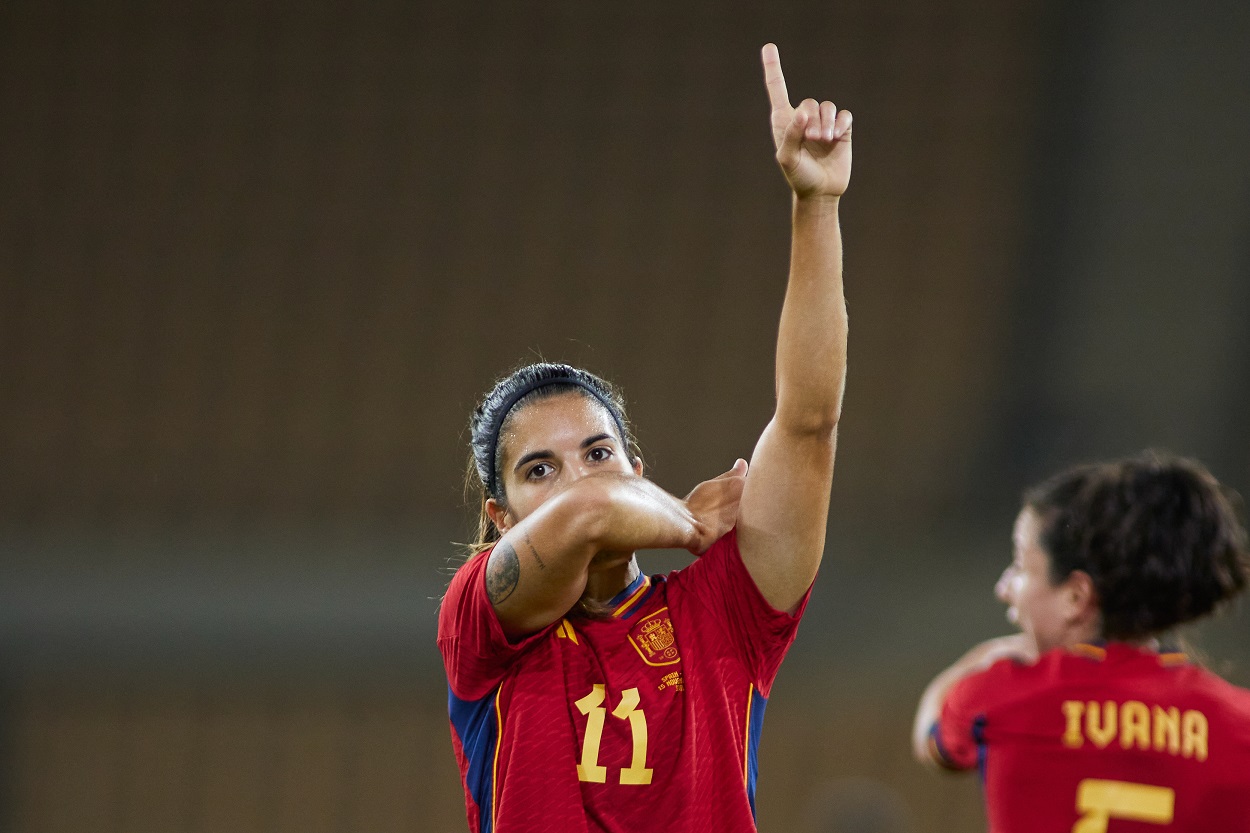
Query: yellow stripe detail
(646, 582)
(746, 742)
(494, 776)
(1091, 651)
(568, 629)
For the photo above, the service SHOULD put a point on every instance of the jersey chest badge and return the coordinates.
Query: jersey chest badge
(654, 640)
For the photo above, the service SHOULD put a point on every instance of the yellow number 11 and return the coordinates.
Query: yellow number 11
(1100, 801)
(592, 706)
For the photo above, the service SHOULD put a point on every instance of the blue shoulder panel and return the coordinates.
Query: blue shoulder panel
(477, 726)
(755, 728)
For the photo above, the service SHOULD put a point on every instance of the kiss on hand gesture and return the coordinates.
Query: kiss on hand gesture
(813, 140)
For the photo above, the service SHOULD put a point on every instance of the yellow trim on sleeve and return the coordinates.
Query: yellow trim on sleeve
(746, 741)
(494, 775)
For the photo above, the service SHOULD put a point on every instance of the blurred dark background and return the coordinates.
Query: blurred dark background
(258, 261)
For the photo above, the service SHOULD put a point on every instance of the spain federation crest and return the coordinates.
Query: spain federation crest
(654, 640)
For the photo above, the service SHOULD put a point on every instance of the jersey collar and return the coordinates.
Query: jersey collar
(628, 601)
(1167, 653)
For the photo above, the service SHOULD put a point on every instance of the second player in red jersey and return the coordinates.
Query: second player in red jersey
(1087, 721)
(586, 696)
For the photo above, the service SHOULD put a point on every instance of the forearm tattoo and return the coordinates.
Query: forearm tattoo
(534, 552)
(503, 571)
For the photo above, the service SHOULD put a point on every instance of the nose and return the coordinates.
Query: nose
(1003, 586)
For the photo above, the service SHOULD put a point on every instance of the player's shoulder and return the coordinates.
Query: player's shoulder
(1168, 672)
(469, 567)
(718, 582)
(722, 558)
(1219, 690)
(1015, 680)
(461, 581)
(1006, 682)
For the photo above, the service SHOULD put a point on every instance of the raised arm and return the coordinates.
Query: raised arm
(542, 564)
(785, 502)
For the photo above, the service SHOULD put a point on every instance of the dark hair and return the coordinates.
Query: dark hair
(509, 395)
(1160, 537)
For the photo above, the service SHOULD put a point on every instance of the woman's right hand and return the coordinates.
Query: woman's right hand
(813, 140)
(714, 506)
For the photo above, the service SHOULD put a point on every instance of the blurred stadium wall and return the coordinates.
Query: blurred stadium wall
(258, 261)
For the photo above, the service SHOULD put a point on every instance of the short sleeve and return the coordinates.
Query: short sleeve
(722, 589)
(959, 734)
(476, 652)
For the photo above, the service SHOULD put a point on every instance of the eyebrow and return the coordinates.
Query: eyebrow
(546, 452)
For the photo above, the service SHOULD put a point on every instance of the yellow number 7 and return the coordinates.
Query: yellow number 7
(1100, 801)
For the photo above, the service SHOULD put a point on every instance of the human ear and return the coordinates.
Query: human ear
(497, 511)
(638, 466)
(1081, 595)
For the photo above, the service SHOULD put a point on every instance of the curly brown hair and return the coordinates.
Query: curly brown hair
(1162, 540)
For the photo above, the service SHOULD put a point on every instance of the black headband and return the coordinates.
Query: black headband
(524, 391)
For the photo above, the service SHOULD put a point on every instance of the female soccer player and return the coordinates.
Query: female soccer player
(586, 695)
(1086, 721)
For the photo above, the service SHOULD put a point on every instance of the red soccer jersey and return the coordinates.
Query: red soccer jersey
(649, 720)
(1110, 739)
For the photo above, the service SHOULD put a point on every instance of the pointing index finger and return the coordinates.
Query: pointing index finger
(774, 80)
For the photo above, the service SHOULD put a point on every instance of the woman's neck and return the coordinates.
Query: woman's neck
(604, 583)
